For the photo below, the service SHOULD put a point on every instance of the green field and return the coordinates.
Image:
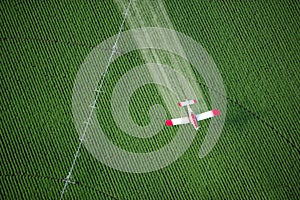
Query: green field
(256, 47)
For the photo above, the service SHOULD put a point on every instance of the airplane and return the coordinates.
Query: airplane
(192, 118)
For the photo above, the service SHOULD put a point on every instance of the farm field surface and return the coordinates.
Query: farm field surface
(255, 46)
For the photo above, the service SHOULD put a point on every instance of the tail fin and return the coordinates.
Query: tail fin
(187, 102)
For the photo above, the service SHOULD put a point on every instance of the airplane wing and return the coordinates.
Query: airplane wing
(208, 114)
(177, 121)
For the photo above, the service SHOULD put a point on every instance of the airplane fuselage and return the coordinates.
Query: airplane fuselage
(192, 117)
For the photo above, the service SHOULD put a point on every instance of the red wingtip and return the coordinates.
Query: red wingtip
(216, 112)
(169, 122)
(179, 104)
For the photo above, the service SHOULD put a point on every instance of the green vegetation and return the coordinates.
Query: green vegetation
(255, 45)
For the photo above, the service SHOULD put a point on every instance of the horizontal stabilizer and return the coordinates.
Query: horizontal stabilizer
(187, 102)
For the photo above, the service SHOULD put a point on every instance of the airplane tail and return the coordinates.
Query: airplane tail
(187, 102)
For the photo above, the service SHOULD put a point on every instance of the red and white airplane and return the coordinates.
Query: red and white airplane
(192, 118)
